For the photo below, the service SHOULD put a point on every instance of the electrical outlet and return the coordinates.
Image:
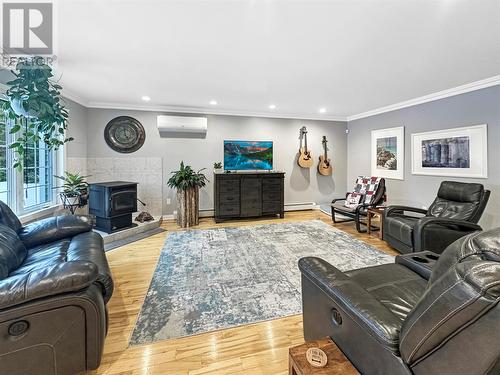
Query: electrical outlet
(169, 200)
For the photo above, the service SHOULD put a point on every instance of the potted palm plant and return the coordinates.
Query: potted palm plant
(188, 183)
(75, 190)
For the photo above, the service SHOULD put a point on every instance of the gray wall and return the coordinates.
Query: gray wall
(474, 108)
(301, 185)
(77, 128)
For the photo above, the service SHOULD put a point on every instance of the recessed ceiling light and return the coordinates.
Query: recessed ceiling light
(272, 106)
(146, 98)
(322, 110)
(213, 102)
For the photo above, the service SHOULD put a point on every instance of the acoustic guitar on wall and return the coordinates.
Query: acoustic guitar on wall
(305, 159)
(324, 165)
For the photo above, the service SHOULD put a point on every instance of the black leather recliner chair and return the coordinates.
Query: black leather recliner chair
(453, 214)
(417, 316)
(54, 286)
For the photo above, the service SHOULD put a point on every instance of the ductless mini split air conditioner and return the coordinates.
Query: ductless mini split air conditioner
(182, 126)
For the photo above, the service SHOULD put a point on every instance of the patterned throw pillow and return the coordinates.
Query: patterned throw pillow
(353, 200)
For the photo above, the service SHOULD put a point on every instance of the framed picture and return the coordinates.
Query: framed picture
(458, 152)
(388, 153)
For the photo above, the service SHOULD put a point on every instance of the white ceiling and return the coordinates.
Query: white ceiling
(348, 56)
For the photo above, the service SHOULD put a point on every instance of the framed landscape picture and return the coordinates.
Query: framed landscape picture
(458, 152)
(388, 153)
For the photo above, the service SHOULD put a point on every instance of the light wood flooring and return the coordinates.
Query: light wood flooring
(256, 349)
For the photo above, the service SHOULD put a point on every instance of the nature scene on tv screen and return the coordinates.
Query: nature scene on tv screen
(247, 155)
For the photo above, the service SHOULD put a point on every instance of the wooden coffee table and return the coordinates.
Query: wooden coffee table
(338, 364)
(371, 212)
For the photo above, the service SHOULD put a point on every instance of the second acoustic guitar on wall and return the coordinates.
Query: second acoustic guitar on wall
(325, 165)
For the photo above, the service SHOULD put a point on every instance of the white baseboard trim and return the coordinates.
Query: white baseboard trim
(207, 213)
(288, 207)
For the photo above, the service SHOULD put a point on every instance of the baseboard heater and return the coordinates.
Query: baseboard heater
(301, 206)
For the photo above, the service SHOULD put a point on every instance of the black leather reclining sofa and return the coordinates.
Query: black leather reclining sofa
(54, 286)
(426, 314)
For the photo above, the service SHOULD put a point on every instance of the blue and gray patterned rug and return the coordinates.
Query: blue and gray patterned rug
(218, 278)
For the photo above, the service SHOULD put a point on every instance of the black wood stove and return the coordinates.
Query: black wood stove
(112, 203)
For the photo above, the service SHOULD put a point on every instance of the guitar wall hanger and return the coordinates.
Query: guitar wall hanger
(305, 159)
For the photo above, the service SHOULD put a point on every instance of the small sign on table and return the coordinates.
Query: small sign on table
(320, 357)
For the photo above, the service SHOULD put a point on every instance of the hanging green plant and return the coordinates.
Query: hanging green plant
(35, 98)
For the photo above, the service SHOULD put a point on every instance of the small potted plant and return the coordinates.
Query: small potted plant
(188, 183)
(218, 167)
(75, 190)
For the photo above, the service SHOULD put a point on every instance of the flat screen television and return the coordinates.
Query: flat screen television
(248, 155)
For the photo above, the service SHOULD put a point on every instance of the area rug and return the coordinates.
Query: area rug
(218, 278)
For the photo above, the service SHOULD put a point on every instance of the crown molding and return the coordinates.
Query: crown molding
(74, 97)
(473, 86)
(205, 111)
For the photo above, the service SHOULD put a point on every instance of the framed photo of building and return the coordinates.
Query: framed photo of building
(388, 153)
(458, 152)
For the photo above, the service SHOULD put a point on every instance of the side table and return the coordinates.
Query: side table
(337, 364)
(371, 212)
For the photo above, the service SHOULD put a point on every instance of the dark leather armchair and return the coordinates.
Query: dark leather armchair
(405, 318)
(54, 286)
(453, 214)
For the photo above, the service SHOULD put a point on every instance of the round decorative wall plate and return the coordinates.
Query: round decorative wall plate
(124, 134)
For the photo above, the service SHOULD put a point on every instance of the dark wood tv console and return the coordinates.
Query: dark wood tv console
(248, 194)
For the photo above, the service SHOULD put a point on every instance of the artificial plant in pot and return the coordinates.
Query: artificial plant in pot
(34, 98)
(218, 167)
(75, 189)
(188, 183)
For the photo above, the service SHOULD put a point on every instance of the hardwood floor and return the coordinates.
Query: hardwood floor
(257, 349)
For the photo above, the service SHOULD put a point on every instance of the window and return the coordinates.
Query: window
(38, 176)
(31, 189)
(5, 189)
